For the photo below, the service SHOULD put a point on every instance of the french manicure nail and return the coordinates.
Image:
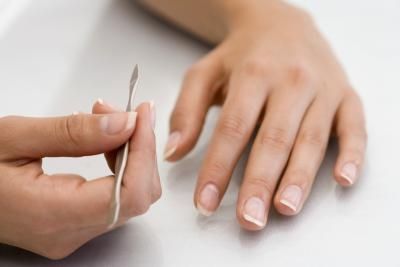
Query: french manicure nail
(152, 114)
(172, 144)
(349, 172)
(254, 211)
(208, 200)
(291, 197)
(116, 123)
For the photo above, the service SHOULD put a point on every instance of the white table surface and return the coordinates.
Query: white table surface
(58, 56)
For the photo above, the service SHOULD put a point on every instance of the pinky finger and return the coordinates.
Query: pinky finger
(351, 132)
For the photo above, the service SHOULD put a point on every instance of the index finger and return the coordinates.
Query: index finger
(137, 191)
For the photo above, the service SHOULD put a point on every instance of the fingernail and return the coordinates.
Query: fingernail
(349, 172)
(172, 144)
(130, 124)
(208, 200)
(254, 211)
(291, 197)
(116, 123)
(152, 114)
(103, 103)
(75, 113)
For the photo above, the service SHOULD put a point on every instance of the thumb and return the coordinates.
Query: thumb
(75, 135)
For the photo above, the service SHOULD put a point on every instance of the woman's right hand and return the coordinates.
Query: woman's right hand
(53, 215)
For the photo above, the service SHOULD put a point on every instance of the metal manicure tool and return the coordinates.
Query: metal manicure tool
(122, 157)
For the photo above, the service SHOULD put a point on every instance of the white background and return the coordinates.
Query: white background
(59, 56)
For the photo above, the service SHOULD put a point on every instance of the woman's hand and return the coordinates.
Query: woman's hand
(53, 215)
(273, 70)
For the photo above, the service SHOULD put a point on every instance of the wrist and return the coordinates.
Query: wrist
(237, 14)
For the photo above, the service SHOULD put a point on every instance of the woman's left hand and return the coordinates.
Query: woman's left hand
(275, 68)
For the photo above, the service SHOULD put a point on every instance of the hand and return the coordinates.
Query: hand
(53, 215)
(274, 69)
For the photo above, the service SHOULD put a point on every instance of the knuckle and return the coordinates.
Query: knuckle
(301, 176)
(312, 137)
(255, 67)
(233, 126)
(144, 152)
(300, 76)
(217, 170)
(195, 70)
(263, 184)
(277, 138)
(70, 130)
(141, 209)
(179, 117)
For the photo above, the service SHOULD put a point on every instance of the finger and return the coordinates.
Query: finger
(103, 107)
(350, 129)
(157, 190)
(137, 191)
(75, 135)
(94, 197)
(248, 92)
(92, 201)
(270, 152)
(155, 185)
(306, 158)
(197, 93)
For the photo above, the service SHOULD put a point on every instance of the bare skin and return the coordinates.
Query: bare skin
(273, 69)
(53, 215)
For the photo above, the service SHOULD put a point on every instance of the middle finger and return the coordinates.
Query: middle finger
(270, 152)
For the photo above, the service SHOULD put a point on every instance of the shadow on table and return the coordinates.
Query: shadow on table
(116, 248)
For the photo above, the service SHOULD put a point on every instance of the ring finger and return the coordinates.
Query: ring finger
(306, 158)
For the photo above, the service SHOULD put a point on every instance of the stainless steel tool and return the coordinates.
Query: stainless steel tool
(122, 156)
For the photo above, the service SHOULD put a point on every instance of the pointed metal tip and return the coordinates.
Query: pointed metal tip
(135, 74)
